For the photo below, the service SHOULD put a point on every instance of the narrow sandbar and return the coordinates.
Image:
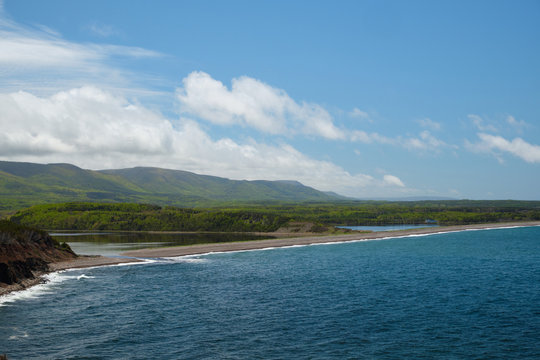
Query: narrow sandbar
(90, 261)
(308, 240)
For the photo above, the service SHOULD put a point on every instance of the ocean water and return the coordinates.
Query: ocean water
(463, 295)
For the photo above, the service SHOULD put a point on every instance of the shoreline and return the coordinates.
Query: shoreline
(86, 261)
(83, 261)
(199, 249)
(137, 256)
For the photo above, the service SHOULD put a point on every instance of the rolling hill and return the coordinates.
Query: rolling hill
(26, 184)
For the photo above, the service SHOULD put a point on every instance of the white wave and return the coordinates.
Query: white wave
(50, 282)
(193, 259)
(84, 276)
(136, 261)
(20, 334)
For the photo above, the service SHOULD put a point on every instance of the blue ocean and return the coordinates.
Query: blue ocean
(461, 295)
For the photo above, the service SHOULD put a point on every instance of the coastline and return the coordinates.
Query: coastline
(78, 263)
(310, 240)
(85, 261)
(136, 256)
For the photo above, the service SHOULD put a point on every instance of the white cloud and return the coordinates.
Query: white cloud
(359, 114)
(80, 121)
(480, 123)
(517, 147)
(255, 104)
(518, 124)
(38, 59)
(424, 142)
(393, 181)
(29, 52)
(95, 129)
(362, 136)
(39, 49)
(369, 138)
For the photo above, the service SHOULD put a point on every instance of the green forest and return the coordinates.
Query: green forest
(141, 217)
(269, 217)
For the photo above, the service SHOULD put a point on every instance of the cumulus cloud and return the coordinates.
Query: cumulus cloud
(252, 103)
(393, 180)
(96, 129)
(517, 147)
(85, 120)
(255, 104)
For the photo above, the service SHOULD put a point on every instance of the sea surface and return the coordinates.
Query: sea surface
(460, 295)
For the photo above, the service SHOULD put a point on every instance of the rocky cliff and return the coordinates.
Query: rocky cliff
(25, 253)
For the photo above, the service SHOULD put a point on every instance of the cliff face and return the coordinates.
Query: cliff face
(25, 252)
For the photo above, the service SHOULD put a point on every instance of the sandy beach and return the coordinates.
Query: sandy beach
(89, 261)
(307, 240)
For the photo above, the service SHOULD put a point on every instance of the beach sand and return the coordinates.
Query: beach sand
(307, 240)
(90, 261)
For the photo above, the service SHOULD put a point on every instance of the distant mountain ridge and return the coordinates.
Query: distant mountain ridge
(25, 184)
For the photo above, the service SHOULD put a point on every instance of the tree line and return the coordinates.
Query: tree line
(268, 217)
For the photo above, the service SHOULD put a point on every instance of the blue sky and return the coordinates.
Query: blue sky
(369, 99)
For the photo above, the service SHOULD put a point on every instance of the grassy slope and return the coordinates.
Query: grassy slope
(164, 181)
(26, 184)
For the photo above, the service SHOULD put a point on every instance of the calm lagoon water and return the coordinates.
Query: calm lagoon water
(114, 243)
(464, 295)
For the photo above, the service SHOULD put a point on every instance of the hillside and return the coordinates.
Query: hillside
(163, 181)
(27, 184)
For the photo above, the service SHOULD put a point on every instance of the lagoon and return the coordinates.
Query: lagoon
(114, 243)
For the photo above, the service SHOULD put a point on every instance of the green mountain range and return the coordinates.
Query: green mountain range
(26, 184)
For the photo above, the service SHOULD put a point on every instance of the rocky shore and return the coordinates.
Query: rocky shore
(25, 255)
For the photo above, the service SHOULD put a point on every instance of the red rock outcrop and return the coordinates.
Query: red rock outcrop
(26, 253)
